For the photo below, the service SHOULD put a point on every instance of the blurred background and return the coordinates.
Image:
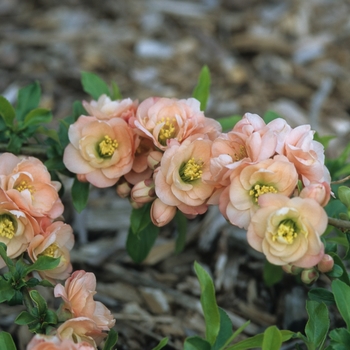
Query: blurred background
(289, 56)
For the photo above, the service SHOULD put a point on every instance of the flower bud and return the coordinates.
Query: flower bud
(161, 213)
(136, 205)
(309, 276)
(81, 178)
(144, 191)
(154, 159)
(326, 264)
(320, 192)
(292, 269)
(123, 188)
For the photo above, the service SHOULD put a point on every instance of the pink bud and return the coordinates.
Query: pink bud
(123, 188)
(161, 213)
(320, 192)
(81, 178)
(309, 276)
(154, 159)
(326, 264)
(143, 192)
(292, 269)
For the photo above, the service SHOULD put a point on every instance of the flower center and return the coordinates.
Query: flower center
(167, 131)
(240, 153)
(107, 147)
(257, 190)
(23, 185)
(51, 250)
(286, 232)
(7, 226)
(191, 170)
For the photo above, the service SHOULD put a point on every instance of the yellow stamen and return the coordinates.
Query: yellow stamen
(240, 154)
(7, 227)
(167, 131)
(191, 170)
(51, 250)
(286, 232)
(107, 147)
(23, 185)
(258, 190)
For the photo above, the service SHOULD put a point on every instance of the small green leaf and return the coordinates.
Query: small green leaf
(341, 293)
(225, 331)
(7, 291)
(25, 318)
(37, 116)
(78, 110)
(111, 340)
(272, 339)
(340, 336)
(181, 224)
(196, 343)
(269, 116)
(201, 90)
(28, 99)
(338, 261)
(322, 296)
(344, 195)
(139, 245)
(46, 283)
(43, 263)
(227, 123)
(324, 140)
(6, 341)
(7, 112)
(50, 133)
(161, 345)
(235, 334)
(140, 218)
(80, 194)
(3, 249)
(50, 318)
(336, 272)
(94, 85)
(318, 324)
(116, 95)
(15, 144)
(39, 302)
(272, 274)
(209, 306)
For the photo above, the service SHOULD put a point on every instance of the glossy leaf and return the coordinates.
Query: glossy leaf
(50, 133)
(139, 245)
(39, 301)
(111, 340)
(116, 95)
(25, 318)
(28, 99)
(202, 89)
(6, 341)
(196, 343)
(225, 331)
(36, 117)
(270, 116)
(15, 144)
(318, 324)
(272, 339)
(78, 110)
(340, 338)
(7, 112)
(227, 123)
(322, 296)
(43, 263)
(209, 306)
(161, 344)
(3, 249)
(94, 85)
(7, 291)
(344, 195)
(140, 218)
(341, 293)
(338, 261)
(181, 224)
(80, 194)
(272, 274)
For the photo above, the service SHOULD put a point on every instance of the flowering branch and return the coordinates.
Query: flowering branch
(341, 180)
(341, 224)
(38, 151)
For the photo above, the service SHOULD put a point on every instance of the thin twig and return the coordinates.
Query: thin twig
(341, 180)
(38, 151)
(342, 224)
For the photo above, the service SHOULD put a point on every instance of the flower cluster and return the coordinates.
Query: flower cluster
(30, 214)
(267, 178)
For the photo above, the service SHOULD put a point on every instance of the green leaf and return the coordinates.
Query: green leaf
(139, 245)
(37, 116)
(269, 116)
(344, 195)
(272, 339)
(43, 263)
(340, 336)
(181, 223)
(6, 341)
(80, 194)
(341, 293)
(3, 249)
(111, 340)
(7, 112)
(272, 274)
(78, 110)
(209, 306)
(25, 318)
(322, 296)
(257, 341)
(318, 324)
(39, 302)
(161, 345)
(235, 334)
(140, 218)
(94, 85)
(336, 272)
(15, 144)
(116, 95)
(7, 291)
(46, 283)
(50, 318)
(225, 331)
(50, 133)
(196, 343)
(227, 123)
(28, 99)
(334, 207)
(338, 261)
(324, 140)
(201, 90)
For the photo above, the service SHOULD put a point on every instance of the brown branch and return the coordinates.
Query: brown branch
(341, 180)
(341, 224)
(38, 151)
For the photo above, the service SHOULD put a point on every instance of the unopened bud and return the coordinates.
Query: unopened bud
(326, 264)
(292, 269)
(136, 205)
(123, 188)
(82, 178)
(161, 213)
(154, 158)
(309, 276)
(320, 192)
(144, 191)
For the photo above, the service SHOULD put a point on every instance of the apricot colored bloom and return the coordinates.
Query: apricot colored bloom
(178, 180)
(17, 228)
(276, 175)
(81, 330)
(28, 183)
(104, 108)
(102, 151)
(161, 213)
(77, 295)
(56, 241)
(287, 230)
(163, 119)
(50, 342)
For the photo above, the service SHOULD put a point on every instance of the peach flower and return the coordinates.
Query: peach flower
(276, 175)
(104, 108)
(49, 342)
(320, 192)
(103, 151)
(28, 183)
(56, 241)
(178, 180)
(288, 230)
(163, 119)
(17, 228)
(77, 295)
(161, 213)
